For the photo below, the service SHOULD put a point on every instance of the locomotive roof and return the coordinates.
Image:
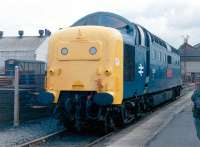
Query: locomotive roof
(93, 19)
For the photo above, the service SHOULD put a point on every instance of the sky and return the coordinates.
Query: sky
(169, 19)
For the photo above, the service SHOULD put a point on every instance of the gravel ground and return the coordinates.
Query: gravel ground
(12, 136)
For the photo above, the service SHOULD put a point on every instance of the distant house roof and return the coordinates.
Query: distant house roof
(197, 46)
(25, 43)
(189, 52)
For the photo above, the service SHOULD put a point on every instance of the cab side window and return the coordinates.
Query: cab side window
(169, 59)
(129, 62)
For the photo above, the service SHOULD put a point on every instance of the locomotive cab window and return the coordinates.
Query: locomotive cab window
(129, 62)
(94, 20)
(111, 21)
(107, 20)
(90, 20)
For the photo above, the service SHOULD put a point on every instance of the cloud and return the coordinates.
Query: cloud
(168, 19)
(185, 19)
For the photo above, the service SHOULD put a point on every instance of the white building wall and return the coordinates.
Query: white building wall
(182, 68)
(19, 48)
(193, 67)
(42, 51)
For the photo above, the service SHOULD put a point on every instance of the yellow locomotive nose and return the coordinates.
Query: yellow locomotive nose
(83, 59)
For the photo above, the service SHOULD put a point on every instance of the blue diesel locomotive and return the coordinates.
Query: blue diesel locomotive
(150, 64)
(151, 71)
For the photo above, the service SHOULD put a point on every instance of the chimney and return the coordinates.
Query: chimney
(186, 38)
(41, 33)
(47, 32)
(20, 33)
(1, 34)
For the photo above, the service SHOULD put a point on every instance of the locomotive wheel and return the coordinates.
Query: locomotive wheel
(176, 93)
(108, 123)
(149, 103)
(128, 112)
(66, 113)
(105, 126)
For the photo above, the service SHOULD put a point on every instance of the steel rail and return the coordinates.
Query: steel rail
(100, 139)
(40, 139)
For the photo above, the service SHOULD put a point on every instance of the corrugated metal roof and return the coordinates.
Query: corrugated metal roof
(188, 58)
(197, 46)
(191, 52)
(20, 44)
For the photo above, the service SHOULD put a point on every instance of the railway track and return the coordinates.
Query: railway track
(64, 138)
(41, 139)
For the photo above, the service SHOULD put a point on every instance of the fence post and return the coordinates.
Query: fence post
(16, 97)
